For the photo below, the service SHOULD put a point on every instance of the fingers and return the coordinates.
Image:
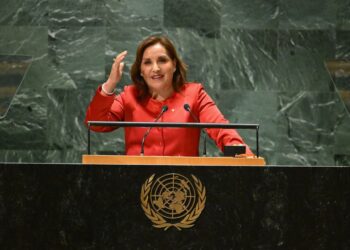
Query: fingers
(118, 64)
(120, 57)
(121, 67)
(244, 156)
(117, 69)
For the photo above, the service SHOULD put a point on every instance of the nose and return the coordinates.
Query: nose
(155, 67)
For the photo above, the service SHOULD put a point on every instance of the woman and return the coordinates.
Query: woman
(159, 80)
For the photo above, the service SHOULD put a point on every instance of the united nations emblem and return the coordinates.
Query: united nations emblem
(172, 200)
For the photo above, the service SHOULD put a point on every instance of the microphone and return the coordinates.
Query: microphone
(188, 109)
(164, 109)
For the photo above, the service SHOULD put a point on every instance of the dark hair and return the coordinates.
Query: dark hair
(179, 77)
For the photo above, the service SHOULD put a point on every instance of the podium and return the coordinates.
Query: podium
(173, 160)
(102, 204)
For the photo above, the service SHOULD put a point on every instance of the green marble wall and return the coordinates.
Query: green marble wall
(265, 62)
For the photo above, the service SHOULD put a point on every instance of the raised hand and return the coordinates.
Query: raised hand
(116, 73)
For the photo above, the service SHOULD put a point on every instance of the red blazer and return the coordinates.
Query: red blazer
(162, 141)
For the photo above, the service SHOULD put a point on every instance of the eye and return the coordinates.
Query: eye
(163, 59)
(147, 62)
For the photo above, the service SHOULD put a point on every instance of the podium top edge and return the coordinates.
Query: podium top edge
(172, 160)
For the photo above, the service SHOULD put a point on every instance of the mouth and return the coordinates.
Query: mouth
(156, 77)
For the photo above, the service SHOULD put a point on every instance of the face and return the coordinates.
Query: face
(157, 68)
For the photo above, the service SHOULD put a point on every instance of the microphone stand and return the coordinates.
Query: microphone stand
(187, 108)
(164, 109)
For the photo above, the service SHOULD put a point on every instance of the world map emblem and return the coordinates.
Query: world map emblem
(173, 200)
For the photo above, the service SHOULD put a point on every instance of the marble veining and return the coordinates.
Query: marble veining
(280, 64)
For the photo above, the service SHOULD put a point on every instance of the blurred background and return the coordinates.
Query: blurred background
(282, 64)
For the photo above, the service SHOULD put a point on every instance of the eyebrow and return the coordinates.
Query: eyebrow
(161, 56)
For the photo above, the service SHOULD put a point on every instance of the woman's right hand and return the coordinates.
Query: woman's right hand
(116, 72)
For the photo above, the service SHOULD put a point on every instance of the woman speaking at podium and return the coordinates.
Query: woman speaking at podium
(159, 92)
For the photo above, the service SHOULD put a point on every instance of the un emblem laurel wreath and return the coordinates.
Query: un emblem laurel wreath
(158, 220)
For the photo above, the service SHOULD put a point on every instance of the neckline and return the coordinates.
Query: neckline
(165, 100)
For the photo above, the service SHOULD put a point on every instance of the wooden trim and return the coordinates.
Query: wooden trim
(172, 160)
